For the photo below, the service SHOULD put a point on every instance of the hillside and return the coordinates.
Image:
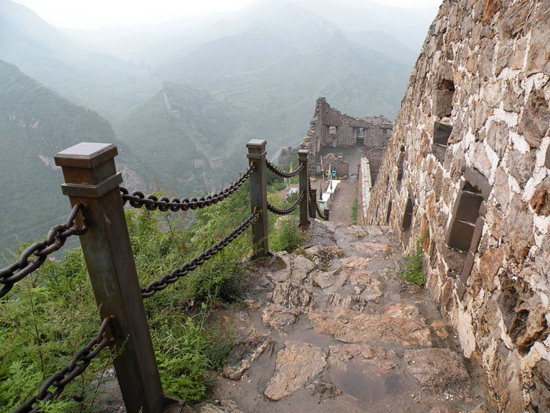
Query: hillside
(35, 124)
(218, 127)
(99, 81)
(356, 79)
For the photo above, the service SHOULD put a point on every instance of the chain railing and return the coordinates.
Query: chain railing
(111, 267)
(159, 285)
(137, 199)
(36, 254)
(286, 211)
(281, 173)
(313, 200)
(57, 382)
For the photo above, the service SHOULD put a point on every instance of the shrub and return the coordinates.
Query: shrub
(413, 267)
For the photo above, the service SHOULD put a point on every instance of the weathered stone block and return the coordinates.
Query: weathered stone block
(460, 235)
(535, 118)
(489, 264)
(444, 103)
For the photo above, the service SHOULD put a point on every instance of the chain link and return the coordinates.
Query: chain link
(57, 382)
(137, 199)
(313, 199)
(192, 265)
(35, 255)
(283, 174)
(287, 211)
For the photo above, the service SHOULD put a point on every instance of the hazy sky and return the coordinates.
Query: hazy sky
(88, 14)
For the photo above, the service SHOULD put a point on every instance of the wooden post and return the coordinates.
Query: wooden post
(91, 178)
(312, 209)
(258, 196)
(302, 159)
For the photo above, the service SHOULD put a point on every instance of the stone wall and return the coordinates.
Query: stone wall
(364, 185)
(466, 171)
(331, 128)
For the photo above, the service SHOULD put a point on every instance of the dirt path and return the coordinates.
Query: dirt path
(342, 203)
(336, 329)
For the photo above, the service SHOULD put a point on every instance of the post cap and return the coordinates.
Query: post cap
(256, 144)
(86, 155)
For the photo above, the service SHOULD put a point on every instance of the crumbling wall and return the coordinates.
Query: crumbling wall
(467, 169)
(331, 128)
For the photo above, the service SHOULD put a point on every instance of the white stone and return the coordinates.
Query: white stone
(466, 333)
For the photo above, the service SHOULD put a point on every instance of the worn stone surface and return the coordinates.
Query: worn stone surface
(355, 262)
(245, 353)
(219, 406)
(278, 316)
(322, 279)
(295, 365)
(318, 342)
(436, 368)
(496, 56)
(354, 327)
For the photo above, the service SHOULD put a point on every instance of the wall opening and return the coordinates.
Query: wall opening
(407, 215)
(388, 214)
(467, 222)
(400, 165)
(441, 135)
(444, 98)
(464, 219)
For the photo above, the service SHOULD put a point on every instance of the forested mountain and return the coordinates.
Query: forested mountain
(355, 79)
(35, 124)
(183, 94)
(99, 81)
(167, 137)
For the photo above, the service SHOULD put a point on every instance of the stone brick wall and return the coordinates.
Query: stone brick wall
(331, 128)
(467, 169)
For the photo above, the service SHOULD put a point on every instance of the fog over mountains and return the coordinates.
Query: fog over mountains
(249, 74)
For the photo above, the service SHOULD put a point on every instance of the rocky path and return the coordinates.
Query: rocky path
(334, 328)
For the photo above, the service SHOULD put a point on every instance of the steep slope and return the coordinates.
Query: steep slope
(104, 83)
(167, 126)
(36, 123)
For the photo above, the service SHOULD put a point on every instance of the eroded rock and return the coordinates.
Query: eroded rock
(295, 365)
(355, 262)
(219, 406)
(352, 327)
(245, 353)
(278, 316)
(436, 368)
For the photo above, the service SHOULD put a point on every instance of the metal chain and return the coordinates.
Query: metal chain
(137, 199)
(56, 383)
(284, 174)
(192, 265)
(287, 211)
(314, 200)
(35, 255)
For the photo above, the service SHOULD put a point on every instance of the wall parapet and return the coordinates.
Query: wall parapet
(470, 149)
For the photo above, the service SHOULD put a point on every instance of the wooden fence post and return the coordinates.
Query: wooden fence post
(312, 210)
(91, 178)
(258, 196)
(304, 209)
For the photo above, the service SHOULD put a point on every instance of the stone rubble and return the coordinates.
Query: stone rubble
(338, 329)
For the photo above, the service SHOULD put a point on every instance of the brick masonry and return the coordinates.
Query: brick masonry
(473, 140)
(331, 128)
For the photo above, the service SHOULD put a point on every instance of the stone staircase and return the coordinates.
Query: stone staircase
(334, 328)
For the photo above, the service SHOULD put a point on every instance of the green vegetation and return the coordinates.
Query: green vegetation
(35, 124)
(354, 210)
(51, 314)
(413, 267)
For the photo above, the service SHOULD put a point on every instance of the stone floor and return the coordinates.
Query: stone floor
(334, 328)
